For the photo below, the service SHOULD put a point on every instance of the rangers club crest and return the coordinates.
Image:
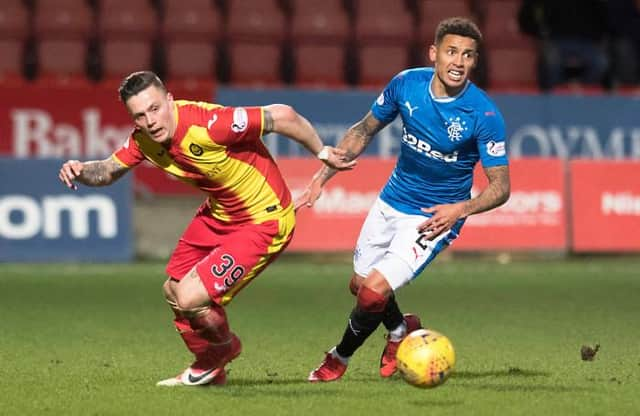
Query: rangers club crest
(455, 127)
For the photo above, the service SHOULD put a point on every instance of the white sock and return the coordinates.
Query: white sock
(334, 352)
(398, 333)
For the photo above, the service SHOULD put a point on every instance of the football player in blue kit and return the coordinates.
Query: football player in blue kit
(449, 124)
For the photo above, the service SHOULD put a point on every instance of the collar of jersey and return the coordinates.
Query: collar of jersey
(446, 99)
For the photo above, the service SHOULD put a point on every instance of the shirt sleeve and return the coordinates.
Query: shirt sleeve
(385, 107)
(492, 139)
(230, 125)
(129, 154)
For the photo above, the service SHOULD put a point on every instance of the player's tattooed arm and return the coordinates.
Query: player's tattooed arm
(101, 172)
(494, 195)
(360, 134)
(91, 173)
(355, 140)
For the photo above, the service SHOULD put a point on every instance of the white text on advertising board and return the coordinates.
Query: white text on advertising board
(620, 203)
(36, 133)
(23, 217)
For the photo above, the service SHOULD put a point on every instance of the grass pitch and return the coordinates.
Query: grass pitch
(94, 339)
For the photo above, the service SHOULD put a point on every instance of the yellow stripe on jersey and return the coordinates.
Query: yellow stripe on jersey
(286, 224)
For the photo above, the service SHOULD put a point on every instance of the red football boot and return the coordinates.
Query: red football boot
(388, 364)
(330, 369)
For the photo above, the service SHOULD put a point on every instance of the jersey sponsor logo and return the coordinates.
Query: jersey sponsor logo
(195, 149)
(421, 146)
(411, 109)
(496, 149)
(240, 120)
(212, 121)
(455, 127)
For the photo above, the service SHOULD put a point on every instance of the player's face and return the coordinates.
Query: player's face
(454, 59)
(153, 112)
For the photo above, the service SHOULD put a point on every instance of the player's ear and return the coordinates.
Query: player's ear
(432, 53)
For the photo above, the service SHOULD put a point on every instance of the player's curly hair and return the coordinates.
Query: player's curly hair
(461, 26)
(138, 81)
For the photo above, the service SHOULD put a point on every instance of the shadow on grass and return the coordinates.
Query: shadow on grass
(527, 388)
(431, 403)
(512, 372)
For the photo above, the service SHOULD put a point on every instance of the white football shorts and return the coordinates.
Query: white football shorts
(390, 243)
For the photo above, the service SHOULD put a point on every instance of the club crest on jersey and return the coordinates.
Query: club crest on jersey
(455, 128)
(240, 120)
(195, 149)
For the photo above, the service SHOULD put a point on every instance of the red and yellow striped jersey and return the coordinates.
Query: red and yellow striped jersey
(220, 151)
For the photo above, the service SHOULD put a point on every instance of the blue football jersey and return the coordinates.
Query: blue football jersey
(442, 140)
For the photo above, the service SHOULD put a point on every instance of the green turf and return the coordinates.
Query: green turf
(92, 340)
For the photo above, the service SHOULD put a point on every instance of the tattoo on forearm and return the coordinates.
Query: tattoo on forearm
(101, 172)
(494, 195)
(359, 136)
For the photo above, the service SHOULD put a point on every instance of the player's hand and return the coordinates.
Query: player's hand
(443, 217)
(69, 171)
(338, 159)
(310, 195)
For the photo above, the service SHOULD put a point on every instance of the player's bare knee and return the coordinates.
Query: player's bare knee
(355, 283)
(167, 289)
(371, 301)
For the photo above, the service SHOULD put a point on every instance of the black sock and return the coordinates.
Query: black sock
(392, 315)
(361, 324)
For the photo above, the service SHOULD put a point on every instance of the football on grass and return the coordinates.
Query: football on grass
(425, 358)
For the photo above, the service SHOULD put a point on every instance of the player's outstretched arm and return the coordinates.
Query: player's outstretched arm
(353, 143)
(283, 119)
(444, 216)
(91, 173)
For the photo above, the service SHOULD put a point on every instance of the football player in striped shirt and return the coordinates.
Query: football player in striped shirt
(246, 221)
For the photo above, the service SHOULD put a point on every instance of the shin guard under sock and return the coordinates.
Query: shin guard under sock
(194, 342)
(211, 324)
(392, 315)
(364, 319)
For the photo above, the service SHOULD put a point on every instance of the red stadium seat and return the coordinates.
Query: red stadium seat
(193, 20)
(62, 61)
(127, 32)
(319, 65)
(64, 19)
(62, 31)
(121, 57)
(512, 69)
(191, 30)
(256, 20)
(11, 64)
(14, 29)
(127, 19)
(319, 21)
(257, 64)
(431, 12)
(190, 60)
(383, 22)
(378, 64)
(500, 27)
